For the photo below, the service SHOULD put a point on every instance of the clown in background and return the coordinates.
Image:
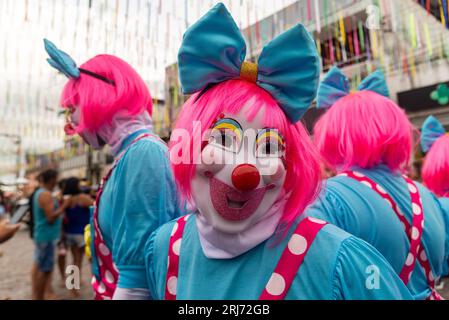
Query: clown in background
(368, 140)
(109, 104)
(251, 179)
(435, 171)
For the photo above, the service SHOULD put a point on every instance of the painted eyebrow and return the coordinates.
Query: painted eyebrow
(268, 130)
(228, 121)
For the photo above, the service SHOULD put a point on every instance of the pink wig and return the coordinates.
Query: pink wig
(100, 101)
(435, 171)
(302, 164)
(364, 129)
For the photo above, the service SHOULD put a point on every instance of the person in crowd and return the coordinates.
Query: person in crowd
(108, 103)
(251, 179)
(47, 231)
(368, 140)
(7, 230)
(62, 245)
(2, 206)
(77, 216)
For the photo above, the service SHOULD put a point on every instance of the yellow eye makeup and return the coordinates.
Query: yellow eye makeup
(227, 134)
(229, 124)
(269, 143)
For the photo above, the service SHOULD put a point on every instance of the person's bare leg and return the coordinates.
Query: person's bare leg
(61, 266)
(34, 271)
(49, 291)
(40, 285)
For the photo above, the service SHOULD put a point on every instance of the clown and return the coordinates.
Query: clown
(108, 103)
(251, 179)
(367, 139)
(435, 171)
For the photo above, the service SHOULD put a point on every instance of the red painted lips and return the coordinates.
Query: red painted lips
(234, 205)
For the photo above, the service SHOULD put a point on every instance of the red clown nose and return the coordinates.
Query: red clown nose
(245, 177)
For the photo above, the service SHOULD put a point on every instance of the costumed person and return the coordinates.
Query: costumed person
(368, 140)
(252, 172)
(108, 104)
(435, 170)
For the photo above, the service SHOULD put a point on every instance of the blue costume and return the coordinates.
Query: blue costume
(139, 196)
(360, 211)
(337, 266)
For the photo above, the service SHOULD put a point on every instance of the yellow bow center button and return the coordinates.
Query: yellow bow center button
(248, 71)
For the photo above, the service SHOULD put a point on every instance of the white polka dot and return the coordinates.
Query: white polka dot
(415, 233)
(100, 262)
(177, 246)
(109, 276)
(175, 228)
(187, 217)
(416, 209)
(410, 276)
(93, 280)
(358, 174)
(101, 288)
(276, 285)
(422, 223)
(103, 249)
(172, 285)
(380, 189)
(319, 221)
(412, 188)
(115, 267)
(366, 183)
(423, 256)
(431, 277)
(297, 244)
(343, 174)
(410, 259)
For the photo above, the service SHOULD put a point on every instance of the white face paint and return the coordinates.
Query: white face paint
(91, 138)
(241, 174)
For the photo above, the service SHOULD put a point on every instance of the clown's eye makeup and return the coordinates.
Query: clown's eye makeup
(227, 134)
(269, 143)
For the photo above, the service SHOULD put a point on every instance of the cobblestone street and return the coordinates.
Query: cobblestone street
(16, 258)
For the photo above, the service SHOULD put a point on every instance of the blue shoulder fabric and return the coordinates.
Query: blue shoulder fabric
(213, 50)
(61, 61)
(432, 129)
(335, 85)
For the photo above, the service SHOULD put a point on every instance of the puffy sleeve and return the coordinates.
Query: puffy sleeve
(147, 191)
(332, 206)
(362, 273)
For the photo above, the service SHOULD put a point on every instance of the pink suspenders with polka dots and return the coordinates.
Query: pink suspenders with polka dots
(284, 273)
(414, 232)
(104, 287)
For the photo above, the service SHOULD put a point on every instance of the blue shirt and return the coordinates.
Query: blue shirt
(139, 196)
(360, 211)
(337, 266)
(77, 219)
(44, 231)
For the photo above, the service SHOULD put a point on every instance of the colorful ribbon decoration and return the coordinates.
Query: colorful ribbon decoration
(213, 50)
(431, 131)
(336, 85)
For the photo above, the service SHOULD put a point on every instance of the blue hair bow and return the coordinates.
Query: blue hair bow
(335, 85)
(431, 131)
(62, 62)
(213, 50)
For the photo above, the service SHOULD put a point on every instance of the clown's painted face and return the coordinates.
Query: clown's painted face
(241, 174)
(73, 117)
